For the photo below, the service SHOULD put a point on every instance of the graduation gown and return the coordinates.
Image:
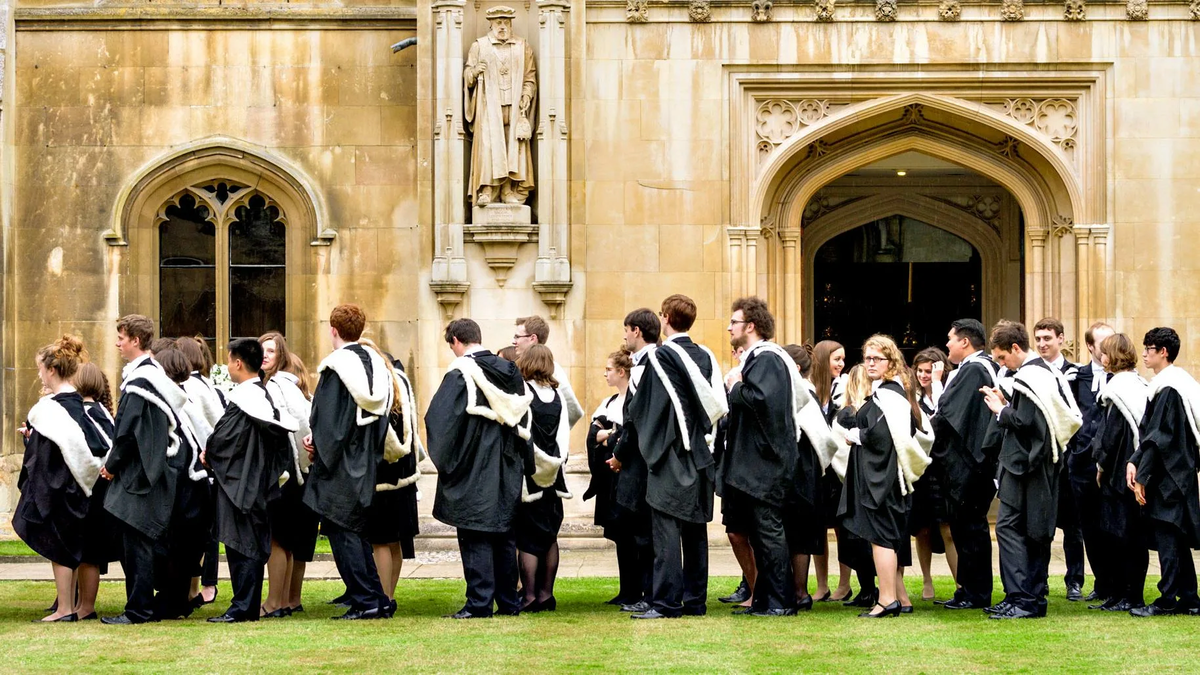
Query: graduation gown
(1167, 461)
(142, 494)
(102, 535)
(539, 514)
(964, 468)
(679, 479)
(60, 467)
(607, 416)
(1113, 444)
(629, 485)
(471, 428)
(761, 439)
(349, 425)
(393, 515)
(248, 451)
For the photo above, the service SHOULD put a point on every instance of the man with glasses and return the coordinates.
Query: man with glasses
(533, 330)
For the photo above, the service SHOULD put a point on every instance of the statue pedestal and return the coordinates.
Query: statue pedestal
(501, 229)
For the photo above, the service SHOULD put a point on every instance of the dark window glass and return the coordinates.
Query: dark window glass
(187, 282)
(257, 265)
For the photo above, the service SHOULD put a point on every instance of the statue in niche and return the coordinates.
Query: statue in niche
(500, 80)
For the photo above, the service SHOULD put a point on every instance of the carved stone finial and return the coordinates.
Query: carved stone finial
(760, 10)
(950, 10)
(886, 10)
(636, 11)
(699, 11)
(1012, 10)
(1137, 10)
(1075, 10)
(1194, 8)
(824, 9)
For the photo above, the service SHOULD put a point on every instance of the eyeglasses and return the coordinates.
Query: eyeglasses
(736, 321)
(518, 336)
(875, 359)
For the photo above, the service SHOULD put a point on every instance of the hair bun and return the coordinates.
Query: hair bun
(69, 347)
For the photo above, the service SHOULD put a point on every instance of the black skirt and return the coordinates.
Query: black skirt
(102, 532)
(537, 523)
(737, 514)
(872, 507)
(831, 494)
(392, 519)
(805, 529)
(293, 525)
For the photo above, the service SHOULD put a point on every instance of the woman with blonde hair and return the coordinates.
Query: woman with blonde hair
(890, 451)
(540, 512)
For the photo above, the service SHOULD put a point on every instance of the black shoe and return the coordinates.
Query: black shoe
(637, 607)
(998, 608)
(804, 605)
(653, 614)
(281, 613)
(695, 611)
(389, 610)
(90, 617)
(743, 610)
(342, 600)
(547, 605)
(943, 602)
(1074, 591)
(52, 608)
(1120, 605)
(775, 612)
(618, 600)
(229, 618)
(888, 611)
(199, 601)
(961, 604)
(863, 599)
(1094, 596)
(824, 598)
(1106, 604)
(361, 614)
(1152, 610)
(297, 609)
(123, 620)
(66, 618)
(739, 595)
(1015, 612)
(463, 614)
(906, 609)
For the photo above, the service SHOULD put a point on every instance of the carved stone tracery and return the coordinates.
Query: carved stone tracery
(778, 120)
(1056, 118)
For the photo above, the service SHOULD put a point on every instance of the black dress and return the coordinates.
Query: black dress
(102, 532)
(392, 517)
(52, 513)
(540, 512)
(607, 417)
(872, 507)
(925, 513)
(1112, 447)
(831, 484)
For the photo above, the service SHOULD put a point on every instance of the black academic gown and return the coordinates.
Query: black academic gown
(341, 481)
(1112, 447)
(679, 482)
(102, 536)
(965, 470)
(142, 493)
(761, 437)
(600, 486)
(247, 455)
(51, 514)
(1167, 462)
(478, 460)
(539, 515)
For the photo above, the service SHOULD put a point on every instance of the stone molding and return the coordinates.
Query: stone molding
(225, 17)
(980, 11)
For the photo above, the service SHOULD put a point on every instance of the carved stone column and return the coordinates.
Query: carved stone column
(552, 273)
(737, 242)
(1037, 275)
(1100, 307)
(791, 298)
(1083, 250)
(448, 278)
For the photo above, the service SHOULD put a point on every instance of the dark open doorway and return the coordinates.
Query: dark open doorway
(897, 276)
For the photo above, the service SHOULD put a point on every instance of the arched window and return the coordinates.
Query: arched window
(232, 289)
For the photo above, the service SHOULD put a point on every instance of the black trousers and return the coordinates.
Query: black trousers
(137, 562)
(246, 577)
(1024, 560)
(490, 567)
(356, 565)
(1098, 546)
(635, 571)
(173, 570)
(212, 557)
(972, 535)
(774, 588)
(680, 564)
(1177, 587)
(1068, 522)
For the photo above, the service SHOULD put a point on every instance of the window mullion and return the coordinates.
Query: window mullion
(222, 273)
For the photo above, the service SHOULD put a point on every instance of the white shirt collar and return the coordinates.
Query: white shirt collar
(1029, 356)
(677, 336)
(133, 364)
(641, 353)
(1059, 362)
(475, 350)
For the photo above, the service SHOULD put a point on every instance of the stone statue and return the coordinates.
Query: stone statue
(500, 79)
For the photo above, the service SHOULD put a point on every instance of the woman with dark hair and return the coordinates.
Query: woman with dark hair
(540, 512)
(603, 433)
(928, 529)
(829, 385)
(60, 468)
(293, 525)
(102, 535)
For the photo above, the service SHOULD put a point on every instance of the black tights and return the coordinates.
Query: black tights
(538, 574)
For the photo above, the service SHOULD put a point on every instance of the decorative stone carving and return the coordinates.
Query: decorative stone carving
(449, 295)
(699, 11)
(950, 10)
(1008, 147)
(760, 10)
(636, 11)
(985, 207)
(1194, 8)
(1056, 118)
(778, 120)
(500, 229)
(500, 73)
(1137, 10)
(1012, 10)
(824, 9)
(552, 269)
(448, 275)
(1075, 10)
(1062, 226)
(886, 10)
(913, 114)
(823, 204)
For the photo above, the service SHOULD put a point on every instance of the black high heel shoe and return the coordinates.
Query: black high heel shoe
(548, 605)
(888, 610)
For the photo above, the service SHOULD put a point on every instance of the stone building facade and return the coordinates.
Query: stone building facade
(235, 167)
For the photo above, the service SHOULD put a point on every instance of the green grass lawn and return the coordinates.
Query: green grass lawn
(587, 635)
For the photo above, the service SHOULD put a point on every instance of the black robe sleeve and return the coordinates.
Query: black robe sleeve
(143, 487)
(960, 425)
(1026, 454)
(1166, 462)
(247, 457)
(598, 456)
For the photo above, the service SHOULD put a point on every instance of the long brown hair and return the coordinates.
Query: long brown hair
(91, 382)
(282, 353)
(391, 372)
(296, 367)
(537, 365)
(822, 376)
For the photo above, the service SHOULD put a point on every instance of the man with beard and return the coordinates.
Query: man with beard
(473, 425)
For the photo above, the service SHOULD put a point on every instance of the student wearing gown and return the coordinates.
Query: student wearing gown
(603, 432)
(392, 520)
(854, 552)
(349, 423)
(472, 425)
(539, 514)
(1122, 403)
(102, 537)
(142, 466)
(929, 531)
(248, 451)
(1162, 474)
(632, 520)
(734, 518)
(889, 453)
(829, 387)
(966, 473)
(1036, 417)
(58, 472)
